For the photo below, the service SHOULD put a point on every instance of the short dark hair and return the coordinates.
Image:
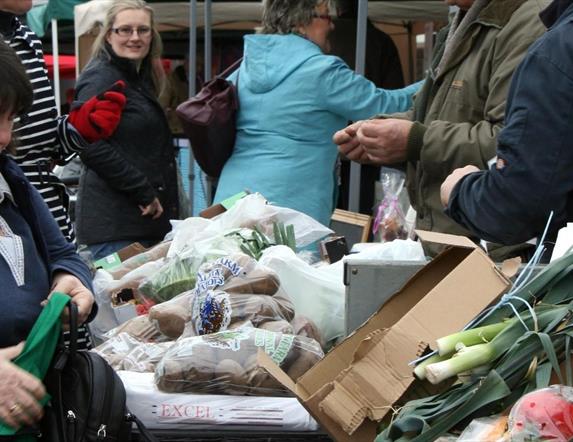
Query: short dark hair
(16, 93)
(284, 16)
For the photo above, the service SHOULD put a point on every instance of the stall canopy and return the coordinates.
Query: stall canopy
(242, 15)
(43, 11)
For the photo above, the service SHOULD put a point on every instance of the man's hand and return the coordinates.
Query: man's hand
(81, 296)
(98, 117)
(348, 144)
(385, 141)
(19, 391)
(153, 209)
(451, 181)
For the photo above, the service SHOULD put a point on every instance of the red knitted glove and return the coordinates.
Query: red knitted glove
(98, 117)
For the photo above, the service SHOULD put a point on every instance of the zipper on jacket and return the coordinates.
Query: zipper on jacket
(101, 432)
(71, 426)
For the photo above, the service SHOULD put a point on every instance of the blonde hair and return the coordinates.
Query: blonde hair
(155, 49)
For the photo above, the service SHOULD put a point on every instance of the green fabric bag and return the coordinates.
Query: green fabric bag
(39, 349)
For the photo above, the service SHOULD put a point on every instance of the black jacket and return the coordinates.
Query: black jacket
(512, 204)
(132, 167)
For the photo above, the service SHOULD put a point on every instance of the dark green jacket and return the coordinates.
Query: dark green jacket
(460, 112)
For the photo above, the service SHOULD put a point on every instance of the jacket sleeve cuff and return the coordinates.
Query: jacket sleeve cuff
(415, 142)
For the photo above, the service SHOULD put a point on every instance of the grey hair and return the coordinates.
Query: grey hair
(155, 49)
(285, 16)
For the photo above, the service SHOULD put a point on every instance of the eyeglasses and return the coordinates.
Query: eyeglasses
(127, 31)
(323, 17)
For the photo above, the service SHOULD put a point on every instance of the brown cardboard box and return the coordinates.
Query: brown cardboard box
(360, 380)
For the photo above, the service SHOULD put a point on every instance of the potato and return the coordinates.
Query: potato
(258, 282)
(170, 318)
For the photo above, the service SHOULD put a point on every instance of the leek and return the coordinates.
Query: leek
(420, 370)
(480, 335)
(473, 356)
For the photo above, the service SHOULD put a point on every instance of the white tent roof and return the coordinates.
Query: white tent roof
(175, 15)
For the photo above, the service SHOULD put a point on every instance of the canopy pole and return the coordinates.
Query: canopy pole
(192, 76)
(355, 168)
(207, 66)
(56, 61)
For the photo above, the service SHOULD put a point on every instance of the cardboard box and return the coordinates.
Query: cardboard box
(115, 259)
(360, 380)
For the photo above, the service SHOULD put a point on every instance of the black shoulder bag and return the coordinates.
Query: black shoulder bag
(88, 399)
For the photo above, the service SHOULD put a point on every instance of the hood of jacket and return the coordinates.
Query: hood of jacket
(270, 58)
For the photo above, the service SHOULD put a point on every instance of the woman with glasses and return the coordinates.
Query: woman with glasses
(293, 97)
(128, 187)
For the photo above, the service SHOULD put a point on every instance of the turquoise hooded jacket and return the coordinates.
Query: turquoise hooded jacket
(292, 99)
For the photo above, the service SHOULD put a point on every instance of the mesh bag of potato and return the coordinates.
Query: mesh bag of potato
(226, 362)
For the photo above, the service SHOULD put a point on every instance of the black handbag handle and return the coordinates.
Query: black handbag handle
(73, 308)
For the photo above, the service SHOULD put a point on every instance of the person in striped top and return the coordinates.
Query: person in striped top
(43, 138)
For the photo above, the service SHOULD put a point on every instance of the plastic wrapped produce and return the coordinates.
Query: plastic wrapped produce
(140, 328)
(172, 316)
(217, 310)
(115, 349)
(302, 326)
(280, 326)
(144, 357)
(543, 415)
(175, 277)
(153, 254)
(226, 362)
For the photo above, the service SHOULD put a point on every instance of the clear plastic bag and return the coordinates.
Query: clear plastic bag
(226, 362)
(153, 254)
(116, 348)
(175, 277)
(145, 357)
(218, 310)
(171, 317)
(390, 221)
(545, 414)
(140, 328)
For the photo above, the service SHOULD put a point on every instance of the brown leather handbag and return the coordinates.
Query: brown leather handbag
(209, 121)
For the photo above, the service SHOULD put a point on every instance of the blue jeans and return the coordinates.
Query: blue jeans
(103, 249)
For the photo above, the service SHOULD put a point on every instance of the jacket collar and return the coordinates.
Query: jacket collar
(129, 67)
(498, 12)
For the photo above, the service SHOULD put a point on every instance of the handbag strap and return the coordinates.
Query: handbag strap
(230, 69)
(40, 346)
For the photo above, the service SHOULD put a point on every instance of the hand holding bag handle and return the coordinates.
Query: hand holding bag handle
(40, 346)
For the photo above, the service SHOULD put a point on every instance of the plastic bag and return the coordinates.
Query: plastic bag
(317, 293)
(253, 210)
(140, 328)
(175, 277)
(226, 362)
(114, 350)
(217, 310)
(172, 316)
(145, 357)
(389, 220)
(491, 428)
(153, 254)
(545, 414)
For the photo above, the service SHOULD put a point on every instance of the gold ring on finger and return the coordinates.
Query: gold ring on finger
(15, 409)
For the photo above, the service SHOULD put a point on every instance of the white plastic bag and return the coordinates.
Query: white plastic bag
(317, 293)
(254, 210)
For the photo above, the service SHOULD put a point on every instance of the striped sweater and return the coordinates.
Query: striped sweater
(43, 138)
